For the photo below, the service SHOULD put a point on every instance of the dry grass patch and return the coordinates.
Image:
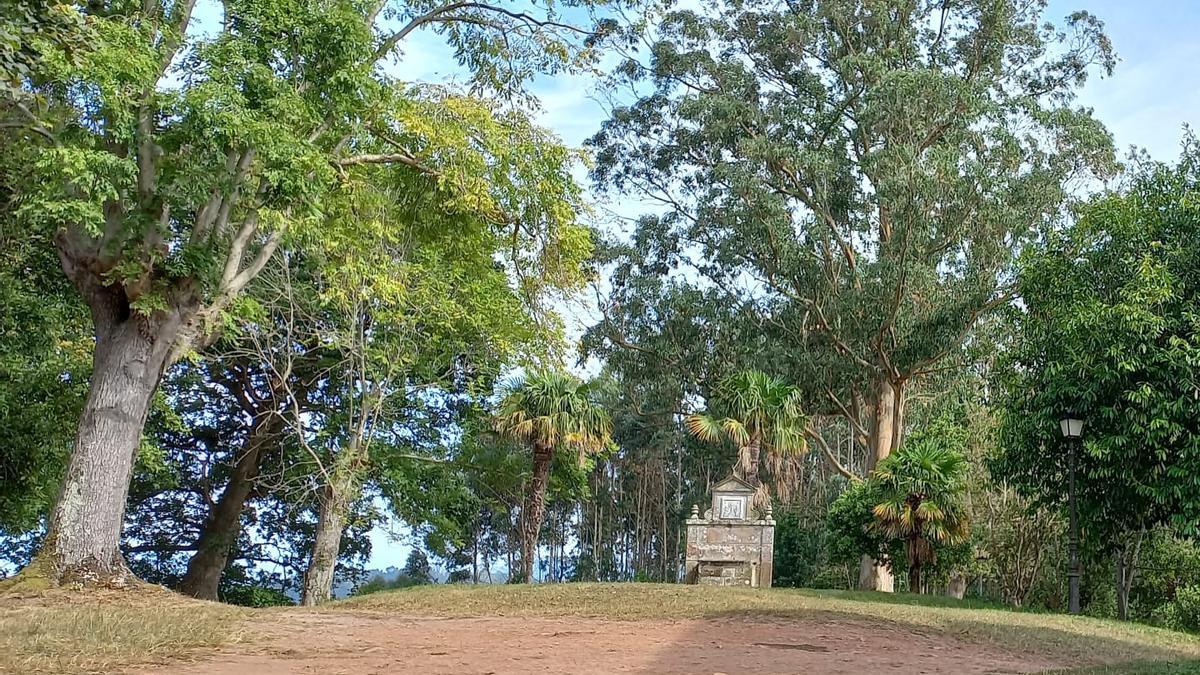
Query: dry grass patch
(96, 632)
(1081, 639)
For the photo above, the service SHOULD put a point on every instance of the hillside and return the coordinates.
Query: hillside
(590, 628)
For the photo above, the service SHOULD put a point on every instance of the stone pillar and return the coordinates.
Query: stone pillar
(695, 535)
(766, 559)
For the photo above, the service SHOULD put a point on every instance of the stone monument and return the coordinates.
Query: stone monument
(730, 545)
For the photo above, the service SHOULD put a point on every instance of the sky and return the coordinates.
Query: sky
(1153, 94)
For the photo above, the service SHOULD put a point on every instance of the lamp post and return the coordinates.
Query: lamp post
(1072, 430)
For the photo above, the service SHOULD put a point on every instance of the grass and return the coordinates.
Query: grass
(1081, 639)
(1184, 667)
(99, 632)
(73, 633)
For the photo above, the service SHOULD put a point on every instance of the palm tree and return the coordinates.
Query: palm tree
(921, 488)
(550, 411)
(764, 413)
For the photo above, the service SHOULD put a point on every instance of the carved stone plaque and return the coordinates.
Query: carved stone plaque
(732, 508)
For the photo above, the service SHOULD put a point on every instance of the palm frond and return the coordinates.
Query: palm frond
(703, 427)
(736, 431)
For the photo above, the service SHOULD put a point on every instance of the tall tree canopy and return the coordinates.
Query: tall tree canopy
(856, 175)
(171, 161)
(1108, 330)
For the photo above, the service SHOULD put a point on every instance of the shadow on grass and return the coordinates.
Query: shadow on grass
(1182, 667)
(700, 629)
(830, 641)
(879, 597)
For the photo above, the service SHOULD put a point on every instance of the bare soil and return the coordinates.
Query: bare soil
(330, 643)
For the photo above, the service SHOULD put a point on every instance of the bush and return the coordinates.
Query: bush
(1182, 613)
(249, 595)
(378, 583)
(803, 556)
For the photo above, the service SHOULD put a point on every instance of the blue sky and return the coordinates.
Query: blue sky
(1155, 90)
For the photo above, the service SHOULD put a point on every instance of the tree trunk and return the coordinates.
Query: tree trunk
(957, 588)
(914, 577)
(753, 458)
(886, 434)
(224, 523)
(535, 508)
(84, 529)
(887, 420)
(1122, 588)
(1126, 568)
(331, 518)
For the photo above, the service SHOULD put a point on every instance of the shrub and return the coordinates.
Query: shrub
(1182, 613)
(249, 595)
(378, 583)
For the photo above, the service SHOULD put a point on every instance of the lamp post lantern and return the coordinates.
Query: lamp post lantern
(1072, 430)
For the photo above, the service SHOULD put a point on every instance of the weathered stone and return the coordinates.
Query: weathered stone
(729, 546)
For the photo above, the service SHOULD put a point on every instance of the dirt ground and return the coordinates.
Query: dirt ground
(330, 643)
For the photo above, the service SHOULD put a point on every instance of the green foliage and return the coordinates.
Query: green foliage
(764, 414)
(804, 555)
(1022, 546)
(851, 525)
(920, 490)
(1183, 612)
(32, 31)
(378, 583)
(45, 359)
(846, 183)
(556, 410)
(1166, 564)
(1109, 331)
(416, 573)
(417, 567)
(254, 596)
(911, 510)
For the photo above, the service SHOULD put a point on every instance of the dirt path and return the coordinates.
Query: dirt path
(356, 643)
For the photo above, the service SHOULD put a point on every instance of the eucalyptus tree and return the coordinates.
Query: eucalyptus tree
(173, 156)
(762, 415)
(553, 412)
(869, 168)
(860, 173)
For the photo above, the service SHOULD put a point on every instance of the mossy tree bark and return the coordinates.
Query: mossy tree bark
(343, 486)
(132, 350)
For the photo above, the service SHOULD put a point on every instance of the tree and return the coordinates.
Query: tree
(417, 567)
(920, 493)
(1022, 542)
(1107, 330)
(44, 358)
(553, 412)
(416, 309)
(214, 505)
(259, 398)
(764, 414)
(170, 166)
(855, 175)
